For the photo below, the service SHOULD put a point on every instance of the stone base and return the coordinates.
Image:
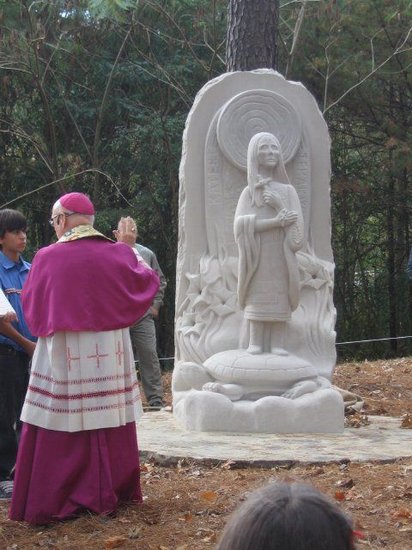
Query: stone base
(259, 375)
(321, 411)
(163, 440)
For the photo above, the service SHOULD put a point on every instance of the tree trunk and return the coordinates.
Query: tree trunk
(251, 34)
(393, 332)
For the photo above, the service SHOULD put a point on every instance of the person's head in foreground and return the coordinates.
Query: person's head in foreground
(288, 516)
(71, 210)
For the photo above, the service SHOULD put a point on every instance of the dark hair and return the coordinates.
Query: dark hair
(284, 516)
(11, 220)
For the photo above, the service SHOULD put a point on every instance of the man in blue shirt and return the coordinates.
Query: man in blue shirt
(16, 343)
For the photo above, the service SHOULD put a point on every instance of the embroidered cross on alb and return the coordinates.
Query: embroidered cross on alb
(98, 355)
(69, 359)
(119, 353)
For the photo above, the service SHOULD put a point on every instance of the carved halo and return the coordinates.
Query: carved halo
(257, 111)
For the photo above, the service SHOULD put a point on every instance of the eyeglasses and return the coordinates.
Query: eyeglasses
(51, 221)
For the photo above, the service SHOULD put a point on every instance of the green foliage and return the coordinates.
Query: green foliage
(94, 97)
(111, 9)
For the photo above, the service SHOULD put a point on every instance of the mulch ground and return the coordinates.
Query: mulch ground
(186, 506)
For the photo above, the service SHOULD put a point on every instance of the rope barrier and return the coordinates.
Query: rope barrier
(373, 340)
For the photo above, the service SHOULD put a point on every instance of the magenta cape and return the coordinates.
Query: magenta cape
(88, 284)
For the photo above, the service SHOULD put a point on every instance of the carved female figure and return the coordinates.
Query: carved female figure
(268, 229)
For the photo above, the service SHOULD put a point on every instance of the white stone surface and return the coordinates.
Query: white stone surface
(162, 438)
(317, 412)
(269, 230)
(255, 268)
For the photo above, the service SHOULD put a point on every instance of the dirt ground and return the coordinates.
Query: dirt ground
(186, 506)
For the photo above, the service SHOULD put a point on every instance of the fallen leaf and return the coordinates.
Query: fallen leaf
(356, 420)
(209, 496)
(407, 422)
(204, 531)
(402, 513)
(345, 483)
(134, 532)
(352, 494)
(210, 538)
(228, 464)
(151, 517)
(114, 542)
(340, 495)
(187, 516)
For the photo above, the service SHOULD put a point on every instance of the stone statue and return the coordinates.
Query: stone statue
(268, 231)
(255, 339)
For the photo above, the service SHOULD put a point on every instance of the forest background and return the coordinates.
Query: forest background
(94, 96)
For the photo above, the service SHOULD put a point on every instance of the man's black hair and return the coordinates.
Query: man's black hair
(11, 220)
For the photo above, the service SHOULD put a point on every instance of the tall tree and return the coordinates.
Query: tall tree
(251, 35)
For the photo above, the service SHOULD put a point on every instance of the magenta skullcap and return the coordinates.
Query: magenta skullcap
(77, 202)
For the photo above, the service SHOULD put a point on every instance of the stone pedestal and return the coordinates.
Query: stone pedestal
(259, 375)
(317, 412)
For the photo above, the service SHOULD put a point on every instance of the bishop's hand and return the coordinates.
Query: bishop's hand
(126, 231)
